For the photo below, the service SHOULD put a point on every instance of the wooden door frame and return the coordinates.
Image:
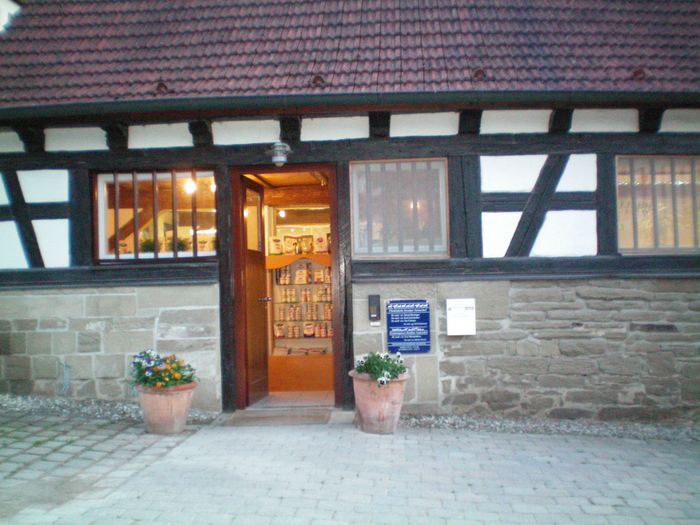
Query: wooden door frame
(238, 272)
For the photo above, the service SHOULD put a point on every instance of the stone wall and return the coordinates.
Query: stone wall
(606, 349)
(79, 342)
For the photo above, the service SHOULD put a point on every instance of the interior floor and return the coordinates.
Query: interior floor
(312, 398)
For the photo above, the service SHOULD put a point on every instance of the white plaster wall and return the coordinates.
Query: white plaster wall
(497, 231)
(10, 142)
(7, 9)
(580, 174)
(680, 121)
(75, 139)
(567, 233)
(12, 254)
(510, 173)
(334, 128)
(424, 124)
(232, 132)
(3, 193)
(515, 121)
(160, 136)
(605, 121)
(52, 236)
(44, 185)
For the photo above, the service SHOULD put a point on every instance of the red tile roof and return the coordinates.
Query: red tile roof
(78, 51)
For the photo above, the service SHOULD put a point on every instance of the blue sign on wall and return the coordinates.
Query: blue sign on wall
(408, 326)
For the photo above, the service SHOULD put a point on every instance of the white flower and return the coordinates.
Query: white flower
(386, 374)
(382, 381)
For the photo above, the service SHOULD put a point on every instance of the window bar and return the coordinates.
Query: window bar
(654, 203)
(116, 215)
(135, 194)
(633, 195)
(414, 208)
(385, 212)
(694, 193)
(399, 201)
(429, 202)
(173, 214)
(193, 175)
(156, 244)
(676, 237)
(370, 210)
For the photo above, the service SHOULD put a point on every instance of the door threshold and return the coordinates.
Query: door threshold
(295, 399)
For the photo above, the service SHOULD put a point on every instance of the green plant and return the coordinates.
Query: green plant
(148, 245)
(380, 367)
(182, 244)
(150, 369)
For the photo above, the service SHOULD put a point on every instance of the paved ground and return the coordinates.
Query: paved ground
(74, 471)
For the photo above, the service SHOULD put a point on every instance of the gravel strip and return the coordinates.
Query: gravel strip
(90, 408)
(578, 427)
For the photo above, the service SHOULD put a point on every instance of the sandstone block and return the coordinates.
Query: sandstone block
(591, 397)
(553, 381)
(25, 325)
(80, 366)
(189, 323)
(110, 305)
(691, 371)
(5, 325)
(45, 367)
(690, 390)
(207, 395)
(109, 389)
(38, 306)
(662, 387)
(206, 364)
(18, 343)
(662, 364)
(583, 347)
(535, 404)
(175, 346)
(417, 290)
(21, 387)
(460, 399)
(616, 305)
(492, 297)
(109, 366)
(500, 399)
(89, 342)
(45, 387)
(621, 365)
(53, 323)
(611, 293)
(91, 324)
(145, 323)
(4, 343)
(530, 295)
(172, 296)
(518, 365)
(127, 342)
(572, 366)
(570, 413)
(366, 343)
(527, 347)
(63, 343)
(38, 343)
(453, 368)
(82, 389)
(18, 367)
(633, 413)
(470, 347)
(427, 379)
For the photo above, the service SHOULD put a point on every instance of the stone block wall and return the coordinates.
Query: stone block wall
(79, 342)
(604, 348)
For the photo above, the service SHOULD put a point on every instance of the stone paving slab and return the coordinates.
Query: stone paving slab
(334, 474)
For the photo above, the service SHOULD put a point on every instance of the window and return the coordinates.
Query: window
(156, 215)
(399, 208)
(657, 204)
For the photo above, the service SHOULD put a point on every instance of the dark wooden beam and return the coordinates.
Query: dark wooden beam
(6, 213)
(561, 200)
(306, 195)
(536, 207)
(650, 119)
(560, 121)
(226, 288)
(201, 133)
(290, 129)
(49, 210)
(457, 207)
(379, 124)
(606, 198)
(33, 138)
(81, 227)
(27, 236)
(470, 121)
(344, 391)
(471, 167)
(526, 268)
(117, 137)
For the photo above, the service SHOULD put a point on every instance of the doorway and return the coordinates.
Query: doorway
(285, 272)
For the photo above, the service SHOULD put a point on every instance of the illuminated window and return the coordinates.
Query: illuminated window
(658, 204)
(399, 208)
(156, 215)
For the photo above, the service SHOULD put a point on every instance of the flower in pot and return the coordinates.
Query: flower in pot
(165, 386)
(379, 381)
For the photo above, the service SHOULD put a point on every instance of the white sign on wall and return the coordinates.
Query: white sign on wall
(461, 316)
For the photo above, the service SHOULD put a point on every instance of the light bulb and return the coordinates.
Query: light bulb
(190, 186)
(282, 214)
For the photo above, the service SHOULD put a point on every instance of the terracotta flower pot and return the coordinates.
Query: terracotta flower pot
(377, 408)
(165, 409)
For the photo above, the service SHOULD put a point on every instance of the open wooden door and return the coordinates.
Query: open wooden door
(252, 291)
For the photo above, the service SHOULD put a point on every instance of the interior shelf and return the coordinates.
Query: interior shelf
(278, 261)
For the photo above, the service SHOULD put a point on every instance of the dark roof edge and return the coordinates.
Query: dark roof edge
(288, 103)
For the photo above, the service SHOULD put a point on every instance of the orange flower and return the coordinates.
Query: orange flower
(158, 384)
(177, 375)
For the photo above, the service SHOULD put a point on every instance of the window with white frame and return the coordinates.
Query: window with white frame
(156, 215)
(658, 204)
(399, 208)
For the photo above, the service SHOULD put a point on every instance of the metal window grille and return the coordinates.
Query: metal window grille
(171, 222)
(399, 208)
(658, 204)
